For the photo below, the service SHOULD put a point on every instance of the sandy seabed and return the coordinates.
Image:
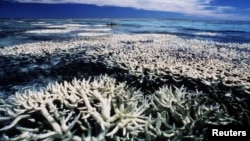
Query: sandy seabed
(155, 87)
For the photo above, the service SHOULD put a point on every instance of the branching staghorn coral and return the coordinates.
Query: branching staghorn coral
(185, 115)
(148, 57)
(102, 109)
(163, 63)
(78, 111)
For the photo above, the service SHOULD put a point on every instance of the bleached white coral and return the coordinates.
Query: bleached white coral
(103, 109)
(74, 110)
(181, 113)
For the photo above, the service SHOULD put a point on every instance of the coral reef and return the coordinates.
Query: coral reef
(149, 60)
(123, 87)
(103, 109)
(91, 109)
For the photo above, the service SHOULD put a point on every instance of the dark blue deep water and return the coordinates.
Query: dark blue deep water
(18, 31)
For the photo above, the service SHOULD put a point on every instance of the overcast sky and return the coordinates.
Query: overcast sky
(188, 9)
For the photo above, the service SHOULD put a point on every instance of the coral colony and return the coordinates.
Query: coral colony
(127, 87)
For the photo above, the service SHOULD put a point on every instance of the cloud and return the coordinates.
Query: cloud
(199, 8)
